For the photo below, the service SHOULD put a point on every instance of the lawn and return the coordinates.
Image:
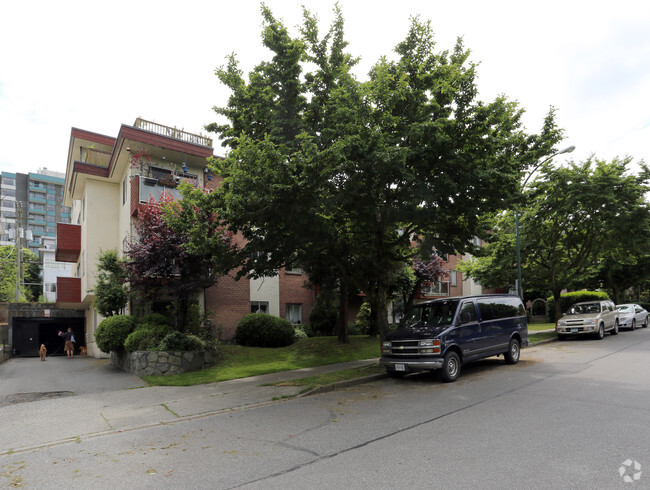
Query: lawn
(242, 362)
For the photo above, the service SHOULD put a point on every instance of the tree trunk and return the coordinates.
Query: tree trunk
(343, 313)
(558, 306)
(379, 317)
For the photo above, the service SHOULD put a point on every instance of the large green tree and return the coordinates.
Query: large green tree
(577, 228)
(340, 175)
(32, 286)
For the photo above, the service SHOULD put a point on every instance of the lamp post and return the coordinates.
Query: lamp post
(568, 149)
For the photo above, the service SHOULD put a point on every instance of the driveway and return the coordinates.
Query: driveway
(29, 378)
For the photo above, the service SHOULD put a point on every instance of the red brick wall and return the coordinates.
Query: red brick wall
(229, 300)
(293, 290)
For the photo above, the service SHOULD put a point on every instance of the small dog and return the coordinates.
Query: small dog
(43, 352)
(83, 350)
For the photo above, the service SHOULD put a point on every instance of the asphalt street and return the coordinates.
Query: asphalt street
(571, 414)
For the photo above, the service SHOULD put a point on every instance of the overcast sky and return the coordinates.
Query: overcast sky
(95, 65)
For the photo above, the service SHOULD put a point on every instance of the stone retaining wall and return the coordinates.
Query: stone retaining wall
(162, 363)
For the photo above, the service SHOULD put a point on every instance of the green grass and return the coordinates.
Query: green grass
(538, 337)
(334, 376)
(242, 362)
(540, 326)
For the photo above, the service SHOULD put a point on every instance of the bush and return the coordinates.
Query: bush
(299, 333)
(264, 330)
(180, 341)
(323, 316)
(156, 319)
(569, 299)
(113, 331)
(142, 339)
(363, 322)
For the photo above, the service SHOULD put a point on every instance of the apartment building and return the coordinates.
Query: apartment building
(108, 179)
(31, 206)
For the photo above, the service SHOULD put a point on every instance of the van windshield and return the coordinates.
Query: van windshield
(431, 314)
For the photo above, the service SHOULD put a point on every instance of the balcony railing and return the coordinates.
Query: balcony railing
(178, 134)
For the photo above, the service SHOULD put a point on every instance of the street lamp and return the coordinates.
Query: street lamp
(568, 149)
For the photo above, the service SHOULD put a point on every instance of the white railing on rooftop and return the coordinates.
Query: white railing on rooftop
(175, 133)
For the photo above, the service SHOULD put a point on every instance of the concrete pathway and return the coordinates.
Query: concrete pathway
(81, 398)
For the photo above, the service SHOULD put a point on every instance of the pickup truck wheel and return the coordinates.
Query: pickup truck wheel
(513, 353)
(450, 367)
(600, 335)
(615, 331)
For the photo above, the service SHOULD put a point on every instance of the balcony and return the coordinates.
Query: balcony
(68, 245)
(178, 134)
(68, 289)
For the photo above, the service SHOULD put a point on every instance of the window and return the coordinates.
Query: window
(8, 181)
(453, 279)
(467, 313)
(12, 192)
(124, 190)
(441, 288)
(290, 269)
(259, 306)
(294, 313)
(65, 219)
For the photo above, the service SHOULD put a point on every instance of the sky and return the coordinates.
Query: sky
(96, 65)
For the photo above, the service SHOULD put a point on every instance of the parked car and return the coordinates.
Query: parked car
(631, 315)
(446, 333)
(589, 318)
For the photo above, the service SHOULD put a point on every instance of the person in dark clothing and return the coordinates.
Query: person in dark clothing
(68, 337)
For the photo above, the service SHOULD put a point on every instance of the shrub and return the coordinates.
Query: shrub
(569, 299)
(363, 322)
(142, 339)
(113, 331)
(181, 341)
(323, 316)
(156, 319)
(299, 333)
(264, 330)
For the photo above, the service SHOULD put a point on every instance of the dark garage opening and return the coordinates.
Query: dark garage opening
(30, 333)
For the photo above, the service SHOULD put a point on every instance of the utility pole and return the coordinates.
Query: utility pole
(19, 251)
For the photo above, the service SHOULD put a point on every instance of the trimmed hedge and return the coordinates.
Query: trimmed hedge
(569, 299)
(176, 341)
(113, 331)
(264, 330)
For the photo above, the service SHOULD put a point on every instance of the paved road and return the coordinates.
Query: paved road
(570, 415)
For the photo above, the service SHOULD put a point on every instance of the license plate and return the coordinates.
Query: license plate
(574, 330)
(400, 367)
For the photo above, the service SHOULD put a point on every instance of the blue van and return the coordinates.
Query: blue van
(447, 333)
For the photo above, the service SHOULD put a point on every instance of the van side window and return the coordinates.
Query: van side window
(495, 308)
(467, 313)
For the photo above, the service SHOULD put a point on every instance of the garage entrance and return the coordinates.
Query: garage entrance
(30, 333)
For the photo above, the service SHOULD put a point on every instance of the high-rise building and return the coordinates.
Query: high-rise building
(31, 206)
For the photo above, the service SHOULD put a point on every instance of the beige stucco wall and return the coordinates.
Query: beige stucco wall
(267, 289)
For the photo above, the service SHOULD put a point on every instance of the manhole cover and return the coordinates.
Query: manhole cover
(33, 397)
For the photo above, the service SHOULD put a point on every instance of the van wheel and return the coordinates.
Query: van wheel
(395, 374)
(615, 331)
(450, 367)
(513, 353)
(600, 335)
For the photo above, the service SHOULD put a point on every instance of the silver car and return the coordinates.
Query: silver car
(632, 316)
(589, 318)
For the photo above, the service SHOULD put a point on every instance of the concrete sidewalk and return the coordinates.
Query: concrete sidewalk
(122, 403)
